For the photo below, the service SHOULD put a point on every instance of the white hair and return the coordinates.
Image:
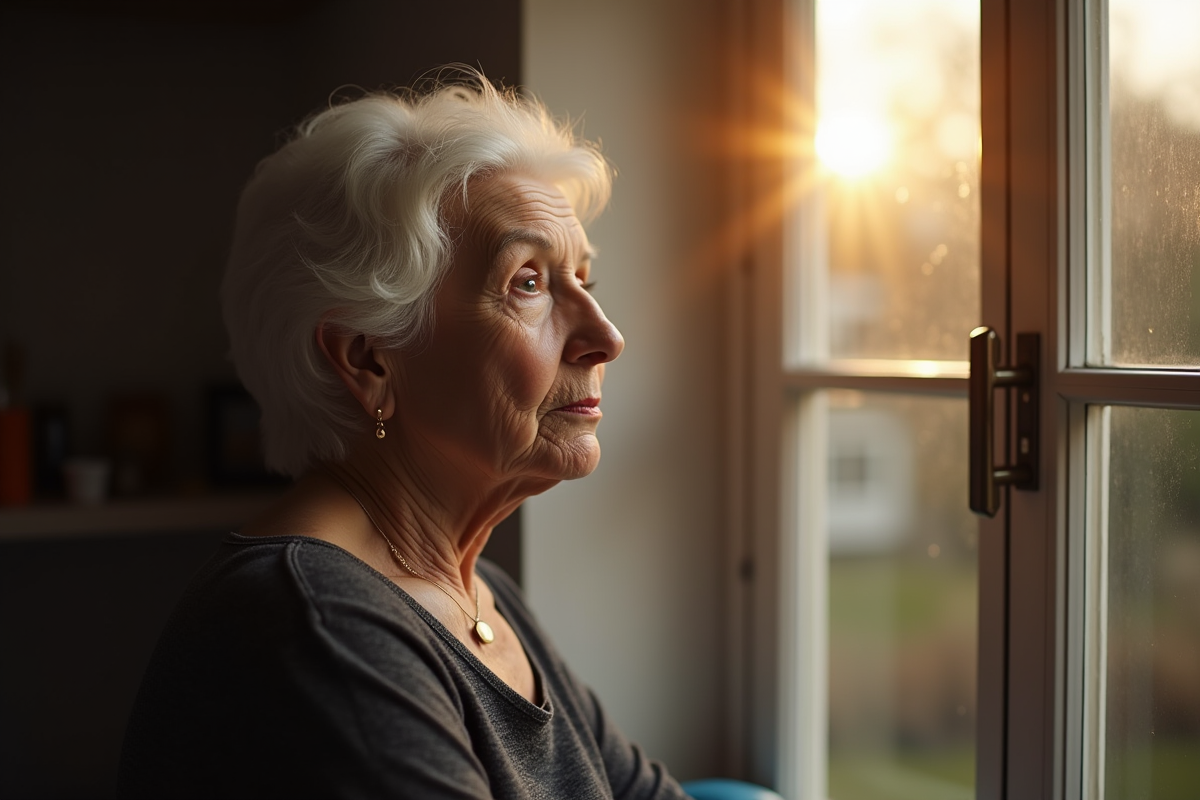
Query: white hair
(348, 219)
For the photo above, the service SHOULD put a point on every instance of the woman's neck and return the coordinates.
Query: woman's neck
(438, 526)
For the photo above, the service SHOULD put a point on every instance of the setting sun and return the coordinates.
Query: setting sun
(853, 145)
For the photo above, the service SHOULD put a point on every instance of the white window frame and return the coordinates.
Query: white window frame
(779, 411)
(1042, 158)
(1087, 396)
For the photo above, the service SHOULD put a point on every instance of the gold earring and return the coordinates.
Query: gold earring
(379, 431)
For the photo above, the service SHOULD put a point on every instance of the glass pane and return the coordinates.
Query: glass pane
(902, 599)
(1153, 293)
(1152, 694)
(898, 147)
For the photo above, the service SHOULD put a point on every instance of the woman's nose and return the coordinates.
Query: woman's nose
(594, 340)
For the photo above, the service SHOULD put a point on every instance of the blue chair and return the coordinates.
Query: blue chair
(725, 789)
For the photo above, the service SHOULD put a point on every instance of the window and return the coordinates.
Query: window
(1034, 167)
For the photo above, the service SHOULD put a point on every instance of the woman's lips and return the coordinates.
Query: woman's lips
(588, 407)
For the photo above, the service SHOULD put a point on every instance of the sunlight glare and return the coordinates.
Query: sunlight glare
(853, 145)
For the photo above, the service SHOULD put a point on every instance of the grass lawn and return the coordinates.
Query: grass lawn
(947, 775)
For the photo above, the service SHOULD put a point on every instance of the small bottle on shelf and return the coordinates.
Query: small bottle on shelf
(16, 451)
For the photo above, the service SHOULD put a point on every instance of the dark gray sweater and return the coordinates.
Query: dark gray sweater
(292, 669)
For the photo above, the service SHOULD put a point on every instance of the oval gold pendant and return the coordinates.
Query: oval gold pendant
(484, 632)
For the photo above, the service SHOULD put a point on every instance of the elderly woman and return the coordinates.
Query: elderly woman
(408, 300)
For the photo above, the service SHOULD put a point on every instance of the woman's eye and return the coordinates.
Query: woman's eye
(528, 284)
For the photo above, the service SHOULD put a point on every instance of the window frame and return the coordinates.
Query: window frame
(775, 402)
(1033, 586)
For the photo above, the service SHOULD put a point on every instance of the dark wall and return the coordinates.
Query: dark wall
(78, 621)
(128, 129)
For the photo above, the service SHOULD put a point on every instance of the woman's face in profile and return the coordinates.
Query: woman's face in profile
(508, 382)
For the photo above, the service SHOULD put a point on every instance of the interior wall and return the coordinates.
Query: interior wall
(623, 567)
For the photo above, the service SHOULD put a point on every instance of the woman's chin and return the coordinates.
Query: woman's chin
(572, 460)
(584, 469)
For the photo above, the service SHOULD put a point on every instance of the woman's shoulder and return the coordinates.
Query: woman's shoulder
(284, 645)
(279, 613)
(297, 568)
(274, 604)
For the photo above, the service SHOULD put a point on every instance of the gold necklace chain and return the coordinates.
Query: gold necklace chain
(482, 630)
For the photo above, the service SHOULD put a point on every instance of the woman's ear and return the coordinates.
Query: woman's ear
(360, 365)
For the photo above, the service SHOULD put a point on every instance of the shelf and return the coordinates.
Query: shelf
(146, 516)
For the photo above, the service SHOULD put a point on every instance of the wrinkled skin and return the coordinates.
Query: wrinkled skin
(517, 340)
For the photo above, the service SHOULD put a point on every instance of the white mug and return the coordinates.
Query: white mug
(87, 479)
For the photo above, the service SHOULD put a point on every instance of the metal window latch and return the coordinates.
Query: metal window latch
(987, 376)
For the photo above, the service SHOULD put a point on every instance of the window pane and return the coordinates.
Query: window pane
(1154, 92)
(902, 599)
(898, 150)
(1152, 694)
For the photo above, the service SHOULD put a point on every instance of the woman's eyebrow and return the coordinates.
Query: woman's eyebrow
(538, 240)
(523, 236)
